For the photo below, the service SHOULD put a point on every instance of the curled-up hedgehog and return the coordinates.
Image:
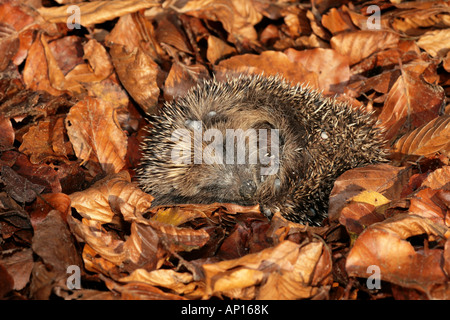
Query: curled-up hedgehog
(256, 140)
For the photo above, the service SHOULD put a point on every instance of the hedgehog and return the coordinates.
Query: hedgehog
(254, 139)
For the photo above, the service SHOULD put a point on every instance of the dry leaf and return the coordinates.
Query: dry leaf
(297, 267)
(411, 103)
(138, 74)
(426, 140)
(382, 178)
(331, 68)
(385, 246)
(269, 63)
(94, 203)
(181, 78)
(361, 44)
(94, 12)
(427, 203)
(95, 134)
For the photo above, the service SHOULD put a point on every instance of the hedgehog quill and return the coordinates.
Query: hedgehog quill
(256, 140)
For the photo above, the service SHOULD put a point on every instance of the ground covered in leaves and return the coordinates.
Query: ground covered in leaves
(73, 222)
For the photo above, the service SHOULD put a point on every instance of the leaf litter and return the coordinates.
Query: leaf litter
(71, 115)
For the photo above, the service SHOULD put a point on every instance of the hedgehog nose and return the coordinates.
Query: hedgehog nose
(247, 189)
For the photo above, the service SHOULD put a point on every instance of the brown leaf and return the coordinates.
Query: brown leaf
(331, 67)
(426, 140)
(38, 142)
(382, 178)
(385, 245)
(138, 74)
(435, 42)
(411, 103)
(269, 63)
(7, 137)
(439, 178)
(426, 203)
(361, 44)
(98, 58)
(35, 73)
(218, 49)
(95, 135)
(238, 18)
(178, 282)
(95, 12)
(18, 187)
(286, 271)
(181, 78)
(94, 203)
(19, 266)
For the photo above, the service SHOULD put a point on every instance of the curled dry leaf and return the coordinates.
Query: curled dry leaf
(358, 45)
(331, 68)
(382, 178)
(182, 77)
(286, 271)
(148, 246)
(427, 203)
(426, 140)
(217, 49)
(435, 42)
(268, 63)
(181, 283)
(362, 211)
(138, 73)
(35, 73)
(439, 178)
(237, 17)
(411, 102)
(44, 142)
(94, 203)
(95, 11)
(385, 245)
(93, 129)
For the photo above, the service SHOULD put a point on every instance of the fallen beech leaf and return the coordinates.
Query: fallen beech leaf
(435, 42)
(7, 137)
(218, 49)
(38, 144)
(269, 63)
(427, 204)
(19, 266)
(411, 103)
(426, 140)
(439, 178)
(48, 202)
(384, 245)
(362, 211)
(95, 135)
(381, 178)
(98, 58)
(95, 12)
(331, 67)
(181, 78)
(297, 268)
(16, 29)
(180, 283)
(138, 74)
(237, 17)
(337, 21)
(53, 242)
(358, 45)
(18, 187)
(93, 203)
(35, 73)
